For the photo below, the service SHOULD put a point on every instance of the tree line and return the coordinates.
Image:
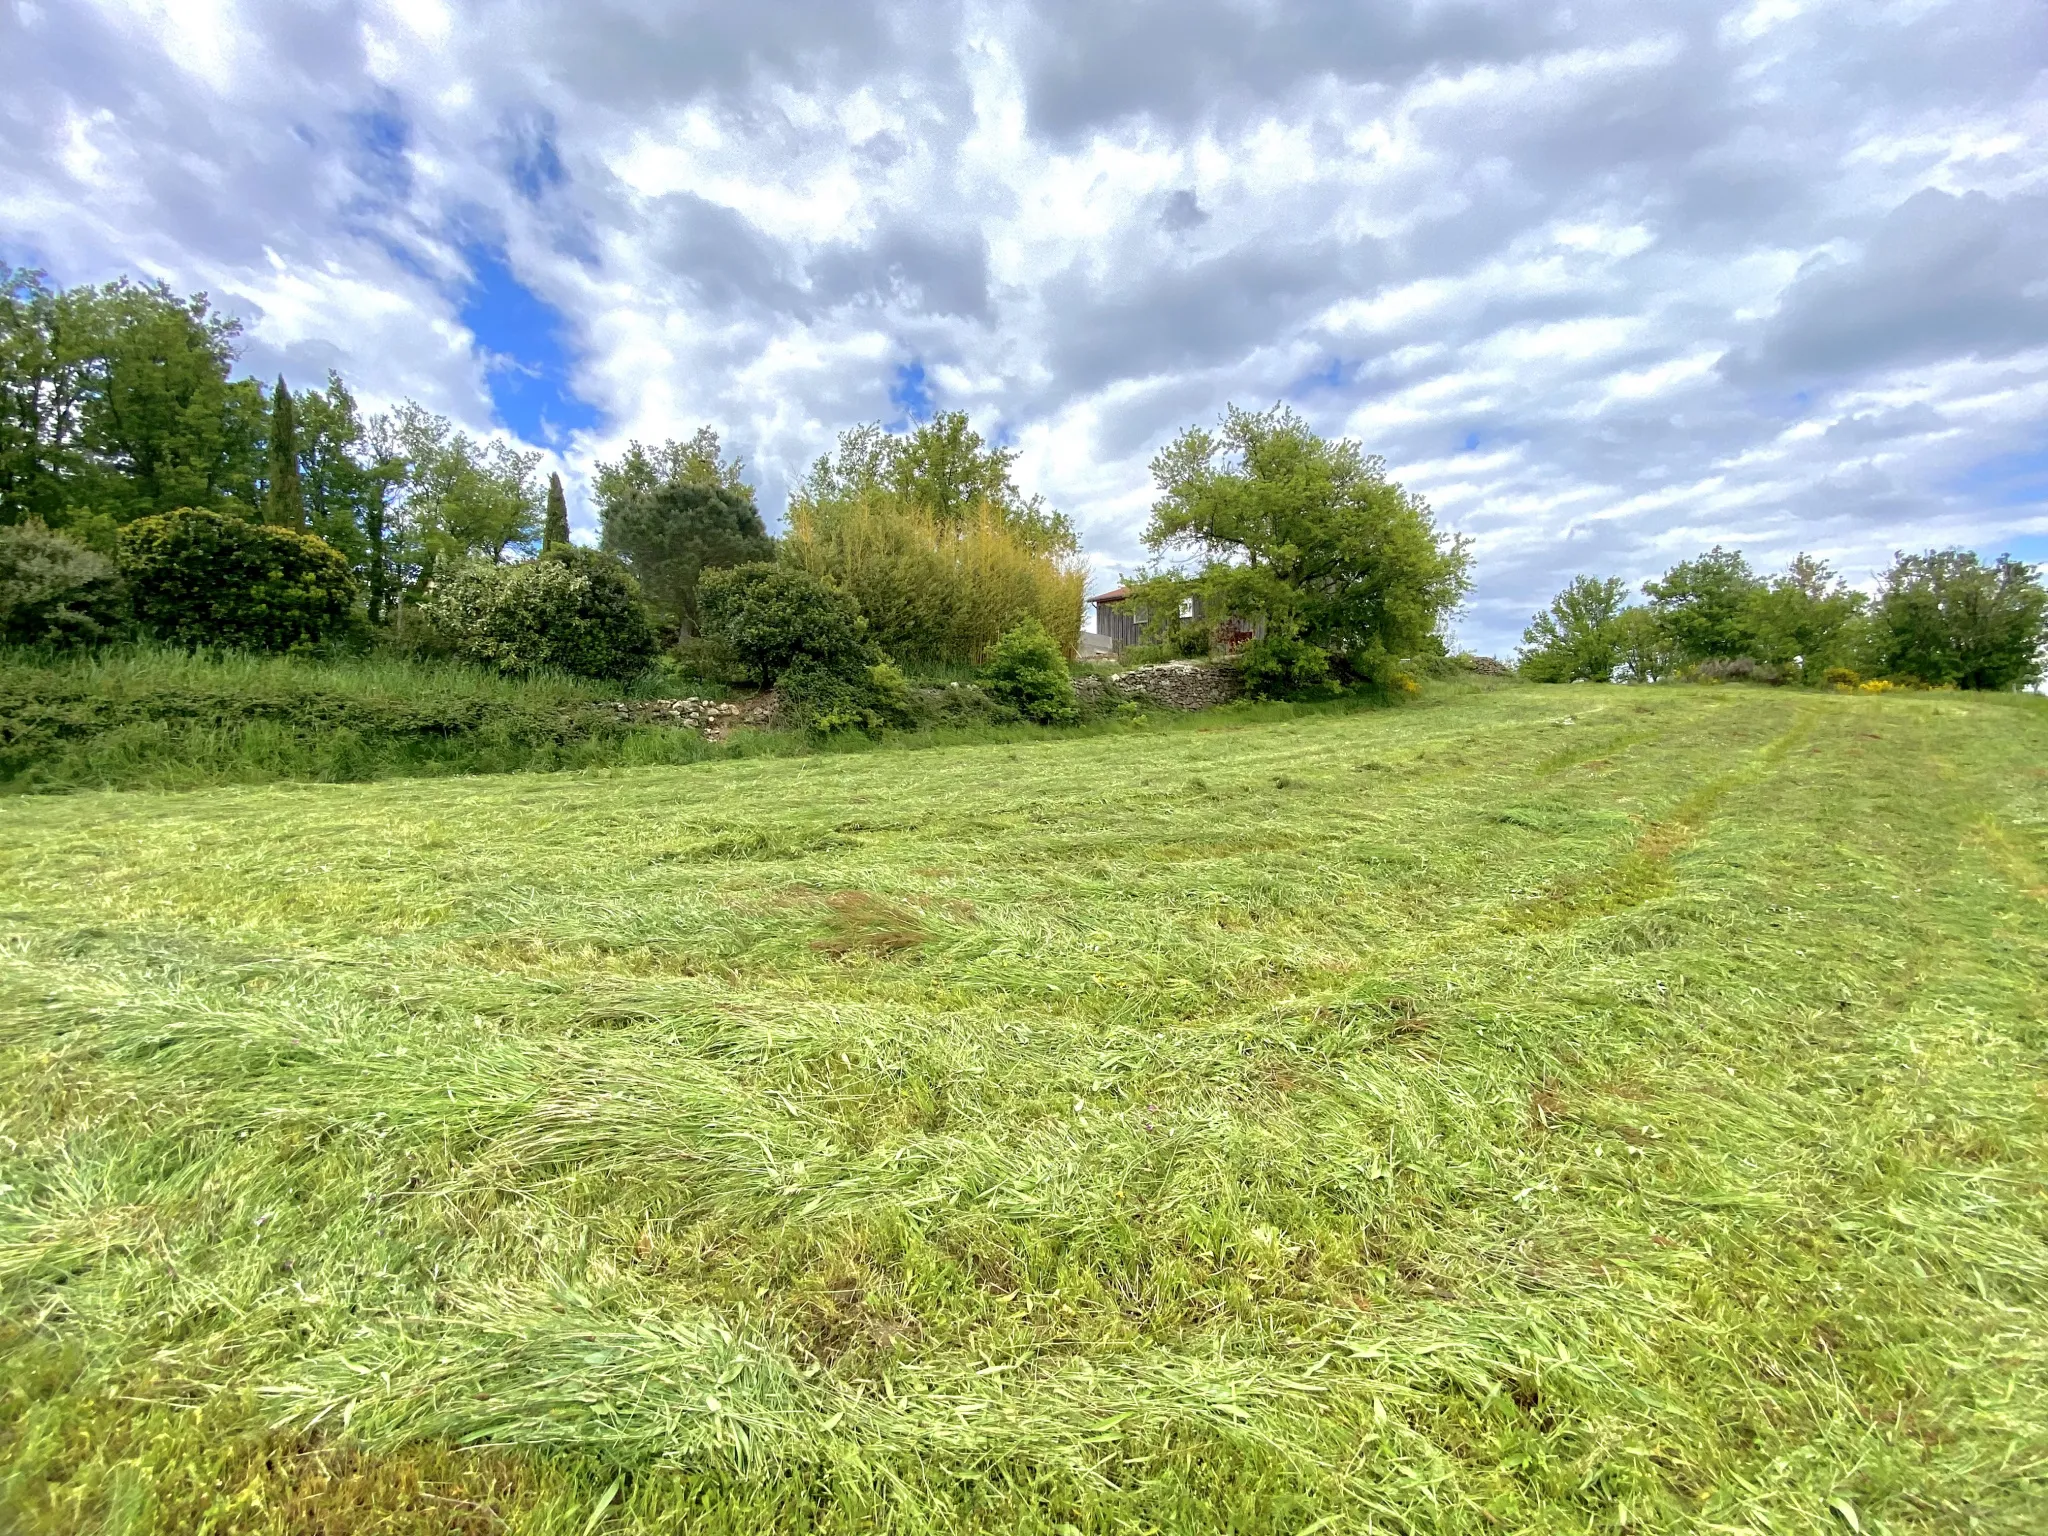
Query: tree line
(1943, 618)
(146, 491)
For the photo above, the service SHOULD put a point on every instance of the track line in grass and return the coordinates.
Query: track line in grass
(1265, 1227)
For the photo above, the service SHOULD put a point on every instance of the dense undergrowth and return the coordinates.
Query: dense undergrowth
(154, 718)
(1469, 1118)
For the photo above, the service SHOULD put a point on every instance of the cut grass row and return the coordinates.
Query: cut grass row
(1457, 1119)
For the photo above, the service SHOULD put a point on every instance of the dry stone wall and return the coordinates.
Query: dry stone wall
(715, 718)
(1167, 685)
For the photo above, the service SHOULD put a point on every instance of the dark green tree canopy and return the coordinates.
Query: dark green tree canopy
(1808, 615)
(284, 501)
(115, 402)
(204, 578)
(673, 532)
(1707, 606)
(1947, 617)
(774, 616)
(1308, 534)
(555, 535)
(698, 460)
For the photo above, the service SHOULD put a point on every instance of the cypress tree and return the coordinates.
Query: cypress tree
(286, 503)
(557, 531)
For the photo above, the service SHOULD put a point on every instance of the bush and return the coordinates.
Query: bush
(1841, 677)
(203, 578)
(569, 610)
(56, 592)
(1027, 672)
(1735, 669)
(1280, 666)
(774, 616)
(824, 701)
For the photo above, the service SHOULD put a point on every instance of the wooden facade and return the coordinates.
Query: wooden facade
(1123, 628)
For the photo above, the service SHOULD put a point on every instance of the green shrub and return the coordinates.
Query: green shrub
(1735, 669)
(56, 592)
(569, 610)
(1027, 672)
(825, 701)
(890, 696)
(204, 578)
(1283, 666)
(773, 616)
(1841, 677)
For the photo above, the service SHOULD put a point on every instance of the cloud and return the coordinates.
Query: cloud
(1942, 276)
(1607, 282)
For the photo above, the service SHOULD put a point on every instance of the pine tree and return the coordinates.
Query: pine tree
(286, 503)
(557, 532)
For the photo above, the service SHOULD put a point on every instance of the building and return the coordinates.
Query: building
(1124, 627)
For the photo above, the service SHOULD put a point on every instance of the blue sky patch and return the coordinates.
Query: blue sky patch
(911, 394)
(536, 162)
(526, 365)
(2008, 480)
(1337, 375)
(380, 143)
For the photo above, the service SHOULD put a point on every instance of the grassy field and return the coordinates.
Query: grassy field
(1555, 1110)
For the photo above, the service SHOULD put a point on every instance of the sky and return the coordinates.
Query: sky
(1607, 282)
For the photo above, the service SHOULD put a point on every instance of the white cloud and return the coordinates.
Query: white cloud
(1606, 281)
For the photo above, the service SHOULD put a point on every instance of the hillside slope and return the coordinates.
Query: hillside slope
(1559, 1110)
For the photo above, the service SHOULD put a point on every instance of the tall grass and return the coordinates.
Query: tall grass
(148, 717)
(159, 720)
(1463, 1119)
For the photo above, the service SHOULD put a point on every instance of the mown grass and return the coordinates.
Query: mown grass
(1463, 1118)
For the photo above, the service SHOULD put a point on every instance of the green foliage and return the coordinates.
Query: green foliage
(1028, 673)
(699, 461)
(116, 401)
(56, 592)
(671, 533)
(568, 610)
(452, 498)
(1278, 665)
(1808, 617)
(203, 578)
(1641, 648)
(1447, 1121)
(941, 468)
(1948, 618)
(1308, 534)
(148, 717)
(826, 701)
(773, 616)
(555, 535)
(1578, 637)
(284, 499)
(1708, 606)
(932, 538)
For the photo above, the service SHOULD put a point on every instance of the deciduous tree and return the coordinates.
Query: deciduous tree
(1308, 534)
(1947, 617)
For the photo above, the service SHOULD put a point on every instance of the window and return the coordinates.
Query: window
(1187, 607)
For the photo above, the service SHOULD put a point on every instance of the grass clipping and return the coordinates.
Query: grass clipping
(1457, 1119)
